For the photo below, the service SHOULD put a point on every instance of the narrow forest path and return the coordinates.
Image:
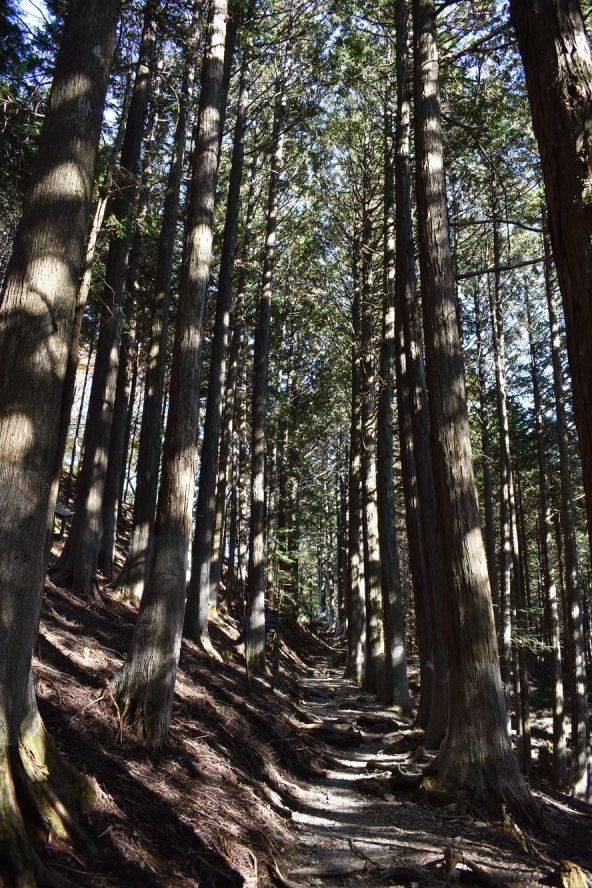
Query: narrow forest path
(351, 830)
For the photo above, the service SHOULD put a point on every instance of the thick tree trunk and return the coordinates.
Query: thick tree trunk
(77, 564)
(198, 598)
(419, 408)
(255, 630)
(395, 690)
(555, 50)
(144, 687)
(37, 307)
(476, 754)
(131, 579)
(356, 602)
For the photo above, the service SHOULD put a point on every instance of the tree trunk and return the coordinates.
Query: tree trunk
(145, 685)
(375, 664)
(476, 754)
(77, 564)
(131, 579)
(37, 307)
(416, 384)
(395, 690)
(557, 60)
(198, 598)
(255, 631)
(356, 608)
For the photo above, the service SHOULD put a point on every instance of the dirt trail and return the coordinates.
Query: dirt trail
(338, 823)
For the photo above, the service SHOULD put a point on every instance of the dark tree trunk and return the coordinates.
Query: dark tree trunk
(395, 690)
(255, 631)
(356, 607)
(555, 51)
(145, 685)
(198, 598)
(37, 306)
(476, 754)
(77, 564)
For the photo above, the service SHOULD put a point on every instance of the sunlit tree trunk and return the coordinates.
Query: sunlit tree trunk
(144, 686)
(198, 598)
(77, 565)
(37, 306)
(374, 666)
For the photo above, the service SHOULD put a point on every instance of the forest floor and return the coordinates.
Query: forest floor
(261, 787)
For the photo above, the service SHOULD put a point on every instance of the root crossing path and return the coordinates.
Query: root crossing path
(352, 829)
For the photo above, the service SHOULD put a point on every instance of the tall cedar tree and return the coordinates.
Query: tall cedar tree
(37, 308)
(476, 754)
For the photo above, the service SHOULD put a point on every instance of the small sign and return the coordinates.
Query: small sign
(271, 621)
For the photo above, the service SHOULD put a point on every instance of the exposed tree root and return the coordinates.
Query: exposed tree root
(30, 808)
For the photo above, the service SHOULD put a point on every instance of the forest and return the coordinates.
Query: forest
(295, 443)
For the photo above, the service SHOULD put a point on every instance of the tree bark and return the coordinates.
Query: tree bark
(476, 754)
(417, 392)
(37, 307)
(144, 687)
(77, 564)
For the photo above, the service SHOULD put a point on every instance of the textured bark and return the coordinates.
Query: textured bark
(374, 666)
(77, 564)
(356, 603)
(395, 690)
(255, 632)
(145, 685)
(405, 282)
(131, 579)
(37, 307)
(476, 754)
(198, 598)
(557, 60)
(419, 407)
